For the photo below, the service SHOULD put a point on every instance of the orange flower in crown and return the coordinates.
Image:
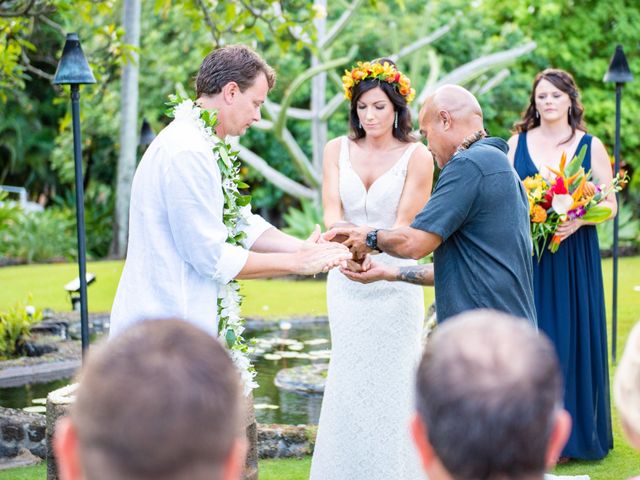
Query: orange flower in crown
(385, 72)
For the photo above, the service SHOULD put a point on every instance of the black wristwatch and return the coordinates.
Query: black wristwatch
(372, 239)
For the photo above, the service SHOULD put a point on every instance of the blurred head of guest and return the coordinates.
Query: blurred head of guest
(489, 400)
(627, 388)
(161, 401)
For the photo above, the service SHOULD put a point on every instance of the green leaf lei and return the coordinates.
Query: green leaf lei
(230, 323)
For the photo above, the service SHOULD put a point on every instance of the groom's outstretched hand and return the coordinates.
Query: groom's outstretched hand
(315, 237)
(352, 237)
(321, 257)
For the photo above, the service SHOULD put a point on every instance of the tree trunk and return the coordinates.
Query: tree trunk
(318, 92)
(128, 128)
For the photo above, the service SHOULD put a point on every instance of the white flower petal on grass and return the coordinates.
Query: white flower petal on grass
(562, 203)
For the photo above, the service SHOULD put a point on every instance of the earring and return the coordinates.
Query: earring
(395, 120)
(537, 114)
(360, 125)
(569, 110)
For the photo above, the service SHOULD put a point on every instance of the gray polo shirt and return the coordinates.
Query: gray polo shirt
(480, 210)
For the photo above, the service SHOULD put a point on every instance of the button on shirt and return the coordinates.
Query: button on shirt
(177, 252)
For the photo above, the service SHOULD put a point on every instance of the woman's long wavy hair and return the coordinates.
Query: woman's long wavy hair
(404, 130)
(564, 82)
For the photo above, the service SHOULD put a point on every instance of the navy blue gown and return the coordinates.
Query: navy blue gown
(569, 300)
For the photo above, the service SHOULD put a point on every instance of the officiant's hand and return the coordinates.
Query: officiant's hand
(355, 239)
(321, 257)
(371, 272)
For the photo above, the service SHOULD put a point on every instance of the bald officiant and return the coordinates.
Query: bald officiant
(476, 222)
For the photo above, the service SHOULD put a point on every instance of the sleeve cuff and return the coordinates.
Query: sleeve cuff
(253, 226)
(435, 229)
(232, 260)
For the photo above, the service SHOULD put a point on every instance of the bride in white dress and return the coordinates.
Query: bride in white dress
(380, 177)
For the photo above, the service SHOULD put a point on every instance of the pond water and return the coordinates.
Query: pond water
(283, 346)
(30, 395)
(286, 348)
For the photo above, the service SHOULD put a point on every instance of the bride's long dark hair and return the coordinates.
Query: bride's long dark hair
(404, 130)
(564, 82)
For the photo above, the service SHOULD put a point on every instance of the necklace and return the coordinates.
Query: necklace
(470, 140)
(230, 323)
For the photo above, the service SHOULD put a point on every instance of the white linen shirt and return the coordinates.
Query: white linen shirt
(177, 252)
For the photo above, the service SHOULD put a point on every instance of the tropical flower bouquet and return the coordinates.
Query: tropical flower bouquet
(568, 196)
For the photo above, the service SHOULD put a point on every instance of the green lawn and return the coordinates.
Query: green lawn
(293, 469)
(269, 298)
(280, 298)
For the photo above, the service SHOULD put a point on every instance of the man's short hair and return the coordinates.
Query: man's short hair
(160, 401)
(489, 387)
(233, 63)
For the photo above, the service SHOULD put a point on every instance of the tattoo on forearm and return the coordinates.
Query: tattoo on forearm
(417, 274)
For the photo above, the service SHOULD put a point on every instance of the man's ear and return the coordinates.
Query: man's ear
(445, 118)
(558, 438)
(66, 448)
(230, 91)
(421, 441)
(234, 464)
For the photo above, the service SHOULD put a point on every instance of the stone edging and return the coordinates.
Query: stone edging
(23, 430)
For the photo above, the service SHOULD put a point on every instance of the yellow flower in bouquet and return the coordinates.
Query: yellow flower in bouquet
(538, 214)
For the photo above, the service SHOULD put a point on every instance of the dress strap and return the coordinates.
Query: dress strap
(585, 140)
(404, 160)
(343, 160)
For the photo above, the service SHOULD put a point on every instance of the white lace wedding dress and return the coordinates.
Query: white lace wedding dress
(375, 333)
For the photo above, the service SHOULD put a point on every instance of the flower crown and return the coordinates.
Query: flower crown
(384, 72)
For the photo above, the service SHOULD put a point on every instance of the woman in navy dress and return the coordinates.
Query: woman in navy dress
(568, 288)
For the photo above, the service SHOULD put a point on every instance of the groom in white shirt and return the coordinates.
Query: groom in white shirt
(177, 252)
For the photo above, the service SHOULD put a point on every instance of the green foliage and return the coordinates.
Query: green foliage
(35, 127)
(40, 236)
(15, 327)
(628, 230)
(9, 211)
(30, 30)
(302, 222)
(99, 202)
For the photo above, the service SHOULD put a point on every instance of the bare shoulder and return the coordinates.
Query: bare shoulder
(599, 152)
(420, 153)
(513, 145)
(597, 144)
(421, 159)
(332, 150)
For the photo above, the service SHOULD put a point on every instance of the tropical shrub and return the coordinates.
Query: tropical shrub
(628, 230)
(300, 222)
(15, 327)
(40, 236)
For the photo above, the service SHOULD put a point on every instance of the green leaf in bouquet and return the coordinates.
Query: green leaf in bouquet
(241, 184)
(597, 214)
(575, 164)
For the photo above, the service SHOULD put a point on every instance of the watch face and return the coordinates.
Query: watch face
(372, 239)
